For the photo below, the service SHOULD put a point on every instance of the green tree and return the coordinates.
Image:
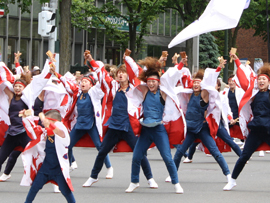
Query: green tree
(189, 10)
(138, 14)
(209, 54)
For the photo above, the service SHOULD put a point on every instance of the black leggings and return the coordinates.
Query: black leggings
(10, 143)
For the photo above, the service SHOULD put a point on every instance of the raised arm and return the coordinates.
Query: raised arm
(210, 80)
(244, 74)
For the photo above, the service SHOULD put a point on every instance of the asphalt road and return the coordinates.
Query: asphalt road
(201, 180)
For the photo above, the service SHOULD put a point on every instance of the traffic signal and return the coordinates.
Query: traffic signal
(46, 23)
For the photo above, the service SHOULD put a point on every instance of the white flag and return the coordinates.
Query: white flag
(218, 15)
(247, 4)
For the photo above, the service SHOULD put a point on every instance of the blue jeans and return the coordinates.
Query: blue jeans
(192, 150)
(41, 179)
(159, 136)
(208, 141)
(75, 136)
(111, 138)
(224, 135)
(255, 138)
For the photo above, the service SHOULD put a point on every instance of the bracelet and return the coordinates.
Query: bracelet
(52, 126)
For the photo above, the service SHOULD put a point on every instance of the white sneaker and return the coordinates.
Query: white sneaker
(152, 183)
(74, 165)
(267, 152)
(209, 155)
(90, 182)
(187, 160)
(168, 179)
(230, 185)
(178, 188)
(4, 177)
(56, 189)
(109, 173)
(261, 154)
(132, 187)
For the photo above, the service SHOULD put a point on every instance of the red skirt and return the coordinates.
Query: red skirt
(236, 132)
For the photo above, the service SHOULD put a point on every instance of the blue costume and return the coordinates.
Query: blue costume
(259, 130)
(153, 113)
(119, 129)
(223, 134)
(85, 124)
(50, 171)
(197, 128)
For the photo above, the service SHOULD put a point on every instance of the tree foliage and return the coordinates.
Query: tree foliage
(138, 14)
(23, 4)
(208, 55)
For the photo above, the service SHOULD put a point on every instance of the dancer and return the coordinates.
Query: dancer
(234, 95)
(55, 165)
(255, 103)
(119, 124)
(87, 99)
(202, 115)
(23, 97)
(152, 97)
(223, 129)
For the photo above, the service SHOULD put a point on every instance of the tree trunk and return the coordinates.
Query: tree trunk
(189, 52)
(65, 36)
(132, 41)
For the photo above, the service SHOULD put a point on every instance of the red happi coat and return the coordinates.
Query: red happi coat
(247, 79)
(173, 117)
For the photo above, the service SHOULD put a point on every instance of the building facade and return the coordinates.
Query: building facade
(19, 32)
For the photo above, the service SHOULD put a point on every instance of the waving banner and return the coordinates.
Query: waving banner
(218, 15)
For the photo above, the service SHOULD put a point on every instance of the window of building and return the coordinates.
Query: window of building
(13, 27)
(2, 26)
(35, 53)
(154, 27)
(24, 50)
(161, 24)
(25, 28)
(174, 24)
(167, 23)
(100, 3)
(78, 54)
(35, 30)
(11, 49)
(14, 9)
(36, 9)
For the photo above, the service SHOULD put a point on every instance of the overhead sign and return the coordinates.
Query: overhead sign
(119, 21)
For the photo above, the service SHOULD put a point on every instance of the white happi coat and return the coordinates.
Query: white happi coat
(208, 83)
(239, 93)
(34, 154)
